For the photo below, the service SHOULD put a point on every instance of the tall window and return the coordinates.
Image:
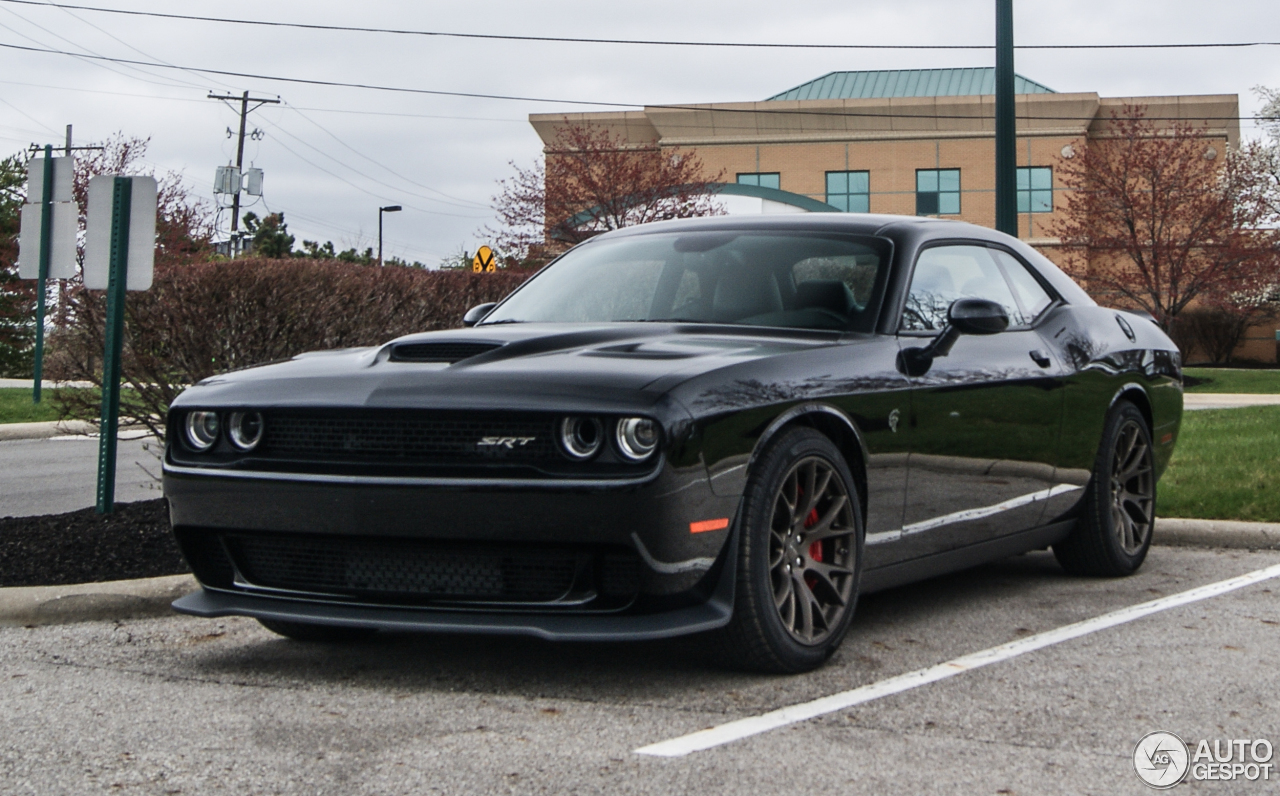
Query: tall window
(937, 192)
(766, 179)
(849, 190)
(1035, 189)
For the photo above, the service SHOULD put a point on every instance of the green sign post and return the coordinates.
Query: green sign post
(46, 251)
(119, 254)
(117, 280)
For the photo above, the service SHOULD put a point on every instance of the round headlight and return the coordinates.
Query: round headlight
(245, 430)
(637, 438)
(202, 430)
(581, 437)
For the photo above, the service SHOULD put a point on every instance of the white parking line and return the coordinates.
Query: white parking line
(745, 728)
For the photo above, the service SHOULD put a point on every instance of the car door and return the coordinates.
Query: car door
(985, 418)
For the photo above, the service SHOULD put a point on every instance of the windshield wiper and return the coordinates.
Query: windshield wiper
(503, 320)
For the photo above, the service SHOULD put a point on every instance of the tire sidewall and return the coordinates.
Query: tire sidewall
(754, 574)
(1101, 503)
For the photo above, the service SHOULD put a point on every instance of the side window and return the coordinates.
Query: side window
(1031, 294)
(946, 273)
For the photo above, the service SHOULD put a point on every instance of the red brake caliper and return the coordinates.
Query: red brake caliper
(815, 549)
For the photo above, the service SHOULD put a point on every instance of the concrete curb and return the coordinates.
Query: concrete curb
(52, 428)
(1217, 533)
(131, 599)
(24, 606)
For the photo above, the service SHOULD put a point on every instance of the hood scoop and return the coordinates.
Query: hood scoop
(439, 352)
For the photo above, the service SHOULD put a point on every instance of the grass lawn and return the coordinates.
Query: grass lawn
(1219, 380)
(16, 406)
(1226, 466)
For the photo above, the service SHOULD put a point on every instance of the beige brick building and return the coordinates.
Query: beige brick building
(906, 142)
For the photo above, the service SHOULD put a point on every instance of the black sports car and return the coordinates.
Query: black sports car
(723, 426)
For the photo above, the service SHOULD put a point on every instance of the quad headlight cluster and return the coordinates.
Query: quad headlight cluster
(203, 429)
(634, 438)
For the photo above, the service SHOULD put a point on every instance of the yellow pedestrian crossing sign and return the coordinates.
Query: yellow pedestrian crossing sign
(484, 261)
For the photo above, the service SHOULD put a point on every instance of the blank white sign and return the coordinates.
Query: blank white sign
(142, 233)
(62, 254)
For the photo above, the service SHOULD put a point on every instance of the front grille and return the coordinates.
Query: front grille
(393, 438)
(416, 572)
(439, 352)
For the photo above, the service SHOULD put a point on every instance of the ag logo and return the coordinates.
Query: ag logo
(893, 421)
(1161, 759)
(504, 442)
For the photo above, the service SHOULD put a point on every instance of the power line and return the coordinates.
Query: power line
(647, 42)
(399, 190)
(446, 117)
(339, 177)
(389, 170)
(596, 103)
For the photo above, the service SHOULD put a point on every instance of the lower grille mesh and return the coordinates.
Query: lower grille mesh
(408, 571)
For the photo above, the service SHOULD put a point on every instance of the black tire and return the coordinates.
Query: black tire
(794, 599)
(1113, 534)
(322, 634)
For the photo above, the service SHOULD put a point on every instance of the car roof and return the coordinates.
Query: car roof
(858, 223)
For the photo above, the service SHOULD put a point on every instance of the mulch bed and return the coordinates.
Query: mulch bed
(85, 547)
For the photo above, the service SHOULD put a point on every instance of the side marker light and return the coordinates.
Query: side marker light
(709, 525)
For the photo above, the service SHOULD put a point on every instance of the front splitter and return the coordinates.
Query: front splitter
(710, 615)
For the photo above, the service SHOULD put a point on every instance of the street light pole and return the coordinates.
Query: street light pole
(1006, 123)
(381, 210)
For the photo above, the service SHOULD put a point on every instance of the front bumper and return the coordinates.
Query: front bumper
(682, 574)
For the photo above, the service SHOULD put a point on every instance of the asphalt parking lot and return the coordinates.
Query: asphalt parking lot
(51, 476)
(180, 705)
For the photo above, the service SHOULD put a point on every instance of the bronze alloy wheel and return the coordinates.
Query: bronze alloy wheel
(1133, 488)
(1113, 531)
(812, 550)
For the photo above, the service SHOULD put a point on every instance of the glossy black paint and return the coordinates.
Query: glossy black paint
(979, 451)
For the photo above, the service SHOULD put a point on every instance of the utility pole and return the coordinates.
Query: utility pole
(381, 210)
(244, 99)
(1006, 124)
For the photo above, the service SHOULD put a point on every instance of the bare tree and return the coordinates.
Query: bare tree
(591, 181)
(1157, 218)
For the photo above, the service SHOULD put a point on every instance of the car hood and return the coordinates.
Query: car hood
(627, 365)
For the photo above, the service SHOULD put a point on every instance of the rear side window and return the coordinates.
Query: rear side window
(1031, 294)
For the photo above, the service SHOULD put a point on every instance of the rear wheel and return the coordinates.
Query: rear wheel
(799, 559)
(325, 634)
(1113, 533)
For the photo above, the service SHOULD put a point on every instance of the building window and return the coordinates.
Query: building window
(1035, 189)
(768, 179)
(937, 192)
(849, 190)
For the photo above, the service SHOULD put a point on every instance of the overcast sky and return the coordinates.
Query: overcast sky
(333, 155)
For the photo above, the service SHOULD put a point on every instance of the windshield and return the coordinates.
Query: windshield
(798, 279)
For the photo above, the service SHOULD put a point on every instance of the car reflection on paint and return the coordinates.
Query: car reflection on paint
(719, 427)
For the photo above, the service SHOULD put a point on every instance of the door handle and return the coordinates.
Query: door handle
(1041, 358)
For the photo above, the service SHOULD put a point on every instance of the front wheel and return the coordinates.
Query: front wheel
(799, 559)
(1113, 534)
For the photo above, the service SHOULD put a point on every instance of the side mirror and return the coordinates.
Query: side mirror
(977, 316)
(964, 316)
(477, 313)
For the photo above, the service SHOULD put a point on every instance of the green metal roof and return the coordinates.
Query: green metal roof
(883, 83)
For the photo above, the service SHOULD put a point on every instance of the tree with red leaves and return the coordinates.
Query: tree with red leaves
(591, 181)
(1158, 218)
